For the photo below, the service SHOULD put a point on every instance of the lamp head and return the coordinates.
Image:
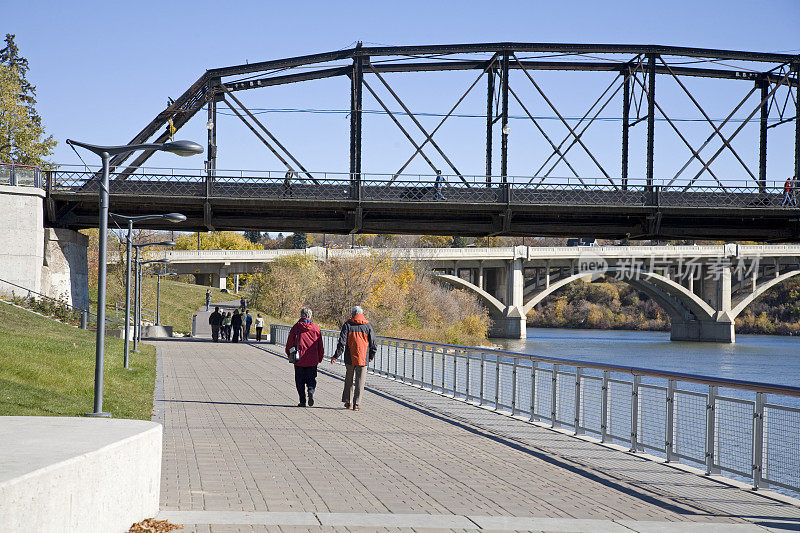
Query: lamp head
(182, 148)
(175, 217)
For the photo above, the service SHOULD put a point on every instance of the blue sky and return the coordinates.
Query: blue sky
(105, 69)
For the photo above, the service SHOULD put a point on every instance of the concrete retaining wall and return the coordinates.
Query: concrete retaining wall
(45, 260)
(21, 236)
(78, 474)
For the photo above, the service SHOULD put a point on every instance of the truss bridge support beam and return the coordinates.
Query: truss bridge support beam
(489, 124)
(796, 68)
(356, 85)
(626, 105)
(763, 84)
(651, 116)
(504, 131)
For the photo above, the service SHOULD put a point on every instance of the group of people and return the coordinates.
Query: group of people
(356, 344)
(234, 326)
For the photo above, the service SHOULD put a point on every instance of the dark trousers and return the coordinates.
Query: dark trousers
(247, 333)
(236, 331)
(258, 334)
(305, 376)
(215, 332)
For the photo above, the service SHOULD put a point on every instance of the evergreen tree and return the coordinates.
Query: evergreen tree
(300, 241)
(253, 236)
(459, 241)
(22, 138)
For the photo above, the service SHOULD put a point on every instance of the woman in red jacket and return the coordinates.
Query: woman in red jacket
(306, 338)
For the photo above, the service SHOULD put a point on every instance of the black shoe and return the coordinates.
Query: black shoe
(310, 399)
(301, 404)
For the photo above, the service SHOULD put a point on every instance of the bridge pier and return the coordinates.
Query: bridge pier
(702, 331)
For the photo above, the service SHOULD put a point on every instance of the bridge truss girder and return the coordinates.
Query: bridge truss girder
(642, 62)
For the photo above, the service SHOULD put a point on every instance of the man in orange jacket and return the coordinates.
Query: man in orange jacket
(357, 342)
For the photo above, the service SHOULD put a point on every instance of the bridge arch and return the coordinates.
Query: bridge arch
(739, 303)
(495, 306)
(678, 301)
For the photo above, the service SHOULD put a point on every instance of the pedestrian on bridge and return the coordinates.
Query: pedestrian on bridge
(437, 186)
(208, 298)
(306, 338)
(236, 325)
(287, 183)
(215, 321)
(357, 343)
(790, 192)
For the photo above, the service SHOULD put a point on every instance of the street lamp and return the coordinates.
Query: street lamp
(137, 300)
(172, 217)
(182, 148)
(158, 294)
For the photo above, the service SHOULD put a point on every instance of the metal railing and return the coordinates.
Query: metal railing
(729, 427)
(473, 189)
(147, 315)
(47, 305)
(21, 175)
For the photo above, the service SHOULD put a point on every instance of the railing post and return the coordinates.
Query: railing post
(635, 413)
(534, 364)
(604, 407)
(413, 363)
(514, 387)
(578, 374)
(467, 384)
(758, 441)
(455, 371)
(483, 377)
(497, 363)
(554, 397)
(669, 445)
(711, 401)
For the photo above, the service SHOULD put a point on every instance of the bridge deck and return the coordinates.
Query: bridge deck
(239, 456)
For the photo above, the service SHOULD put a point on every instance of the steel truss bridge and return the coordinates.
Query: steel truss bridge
(697, 202)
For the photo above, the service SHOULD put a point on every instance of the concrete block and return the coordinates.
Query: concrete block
(156, 332)
(78, 474)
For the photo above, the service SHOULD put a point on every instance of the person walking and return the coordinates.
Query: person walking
(215, 321)
(790, 192)
(248, 321)
(357, 343)
(306, 338)
(259, 327)
(226, 326)
(236, 325)
(287, 183)
(208, 299)
(437, 186)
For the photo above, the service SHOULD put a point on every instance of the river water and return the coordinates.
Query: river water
(762, 358)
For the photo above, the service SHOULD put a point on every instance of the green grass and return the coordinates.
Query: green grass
(47, 368)
(178, 300)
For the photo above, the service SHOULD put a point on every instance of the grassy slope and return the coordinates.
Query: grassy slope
(178, 300)
(47, 368)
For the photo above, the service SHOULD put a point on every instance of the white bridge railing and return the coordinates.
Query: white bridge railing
(734, 428)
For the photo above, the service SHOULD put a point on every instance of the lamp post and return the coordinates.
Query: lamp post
(137, 306)
(172, 217)
(182, 148)
(158, 294)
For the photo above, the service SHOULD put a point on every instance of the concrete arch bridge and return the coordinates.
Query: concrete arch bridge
(702, 288)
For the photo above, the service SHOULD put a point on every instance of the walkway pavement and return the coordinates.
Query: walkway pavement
(239, 456)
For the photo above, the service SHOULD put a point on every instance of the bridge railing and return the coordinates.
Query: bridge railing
(472, 189)
(20, 175)
(734, 428)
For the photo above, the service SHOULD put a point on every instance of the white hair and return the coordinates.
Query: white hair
(356, 311)
(305, 312)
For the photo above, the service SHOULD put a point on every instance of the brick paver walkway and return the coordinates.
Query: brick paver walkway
(240, 456)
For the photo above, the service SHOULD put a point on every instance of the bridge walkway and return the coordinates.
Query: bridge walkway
(240, 456)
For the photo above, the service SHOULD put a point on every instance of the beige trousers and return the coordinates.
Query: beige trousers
(360, 375)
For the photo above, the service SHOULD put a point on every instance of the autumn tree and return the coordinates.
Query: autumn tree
(22, 135)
